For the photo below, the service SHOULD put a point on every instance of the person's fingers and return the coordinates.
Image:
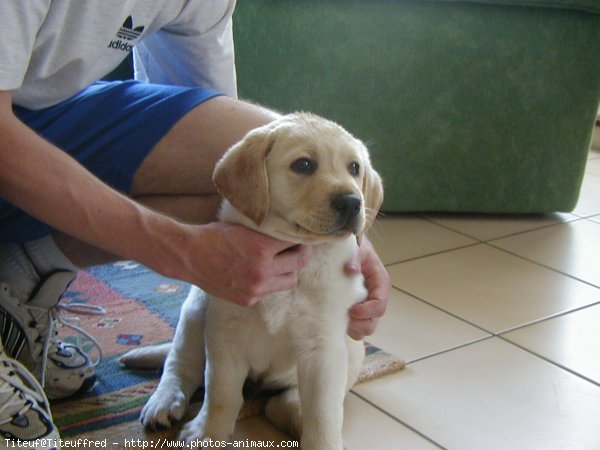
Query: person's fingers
(359, 329)
(369, 309)
(291, 259)
(281, 282)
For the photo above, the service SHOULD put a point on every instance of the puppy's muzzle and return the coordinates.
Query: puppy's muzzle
(347, 206)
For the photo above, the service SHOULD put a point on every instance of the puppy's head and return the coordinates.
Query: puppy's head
(302, 177)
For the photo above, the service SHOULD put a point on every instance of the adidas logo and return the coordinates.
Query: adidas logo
(125, 34)
(128, 32)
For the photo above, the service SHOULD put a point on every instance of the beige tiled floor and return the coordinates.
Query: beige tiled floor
(498, 319)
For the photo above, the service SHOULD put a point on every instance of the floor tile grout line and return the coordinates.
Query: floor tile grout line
(462, 319)
(532, 230)
(507, 341)
(446, 227)
(396, 419)
(441, 252)
(508, 330)
(550, 361)
(483, 241)
(585, 216)
(542, 265)
(491, 334)
(547, 319)
(448, 350)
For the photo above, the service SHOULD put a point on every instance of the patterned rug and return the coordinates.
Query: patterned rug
(142, 308)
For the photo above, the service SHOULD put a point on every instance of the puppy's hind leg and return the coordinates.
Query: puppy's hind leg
(152, 357)
(184, 367)
(285, 413)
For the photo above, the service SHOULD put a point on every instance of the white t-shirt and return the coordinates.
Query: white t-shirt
(52, 49)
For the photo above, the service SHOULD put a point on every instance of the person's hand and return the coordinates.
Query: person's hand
(365, 315)
(241, 265)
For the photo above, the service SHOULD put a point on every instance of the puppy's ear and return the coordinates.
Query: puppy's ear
(372, 189)
(241, 175)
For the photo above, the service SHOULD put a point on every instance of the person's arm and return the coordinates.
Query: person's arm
(51, 186)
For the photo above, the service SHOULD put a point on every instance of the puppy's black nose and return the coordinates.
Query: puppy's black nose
(347, 206)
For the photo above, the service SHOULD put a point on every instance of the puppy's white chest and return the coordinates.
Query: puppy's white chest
(325, 280)
(323, 295)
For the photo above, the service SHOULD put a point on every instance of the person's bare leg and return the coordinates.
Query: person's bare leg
(176, 176)
(183, 161)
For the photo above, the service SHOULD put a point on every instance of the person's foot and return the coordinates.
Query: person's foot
(28, 329)
(24, 411)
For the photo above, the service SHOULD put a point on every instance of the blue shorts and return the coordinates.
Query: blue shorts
(109, 128)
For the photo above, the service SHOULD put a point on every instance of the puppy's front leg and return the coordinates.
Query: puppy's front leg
(322, 378)
(226, 371)
(184, 367)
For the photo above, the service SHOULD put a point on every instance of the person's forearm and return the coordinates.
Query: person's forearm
(51, 186)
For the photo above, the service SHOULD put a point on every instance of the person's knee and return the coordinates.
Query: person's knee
(182, 162)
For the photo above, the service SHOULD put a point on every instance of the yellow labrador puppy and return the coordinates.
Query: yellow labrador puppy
(301, 179)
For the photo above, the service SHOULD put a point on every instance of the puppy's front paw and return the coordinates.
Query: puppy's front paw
(167, 404)
(198, 430)
(192, 431)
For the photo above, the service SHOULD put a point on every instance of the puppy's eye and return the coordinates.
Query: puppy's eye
(354, 168)
(304, 166)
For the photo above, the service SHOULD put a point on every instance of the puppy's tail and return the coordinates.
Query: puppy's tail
(151, 357)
